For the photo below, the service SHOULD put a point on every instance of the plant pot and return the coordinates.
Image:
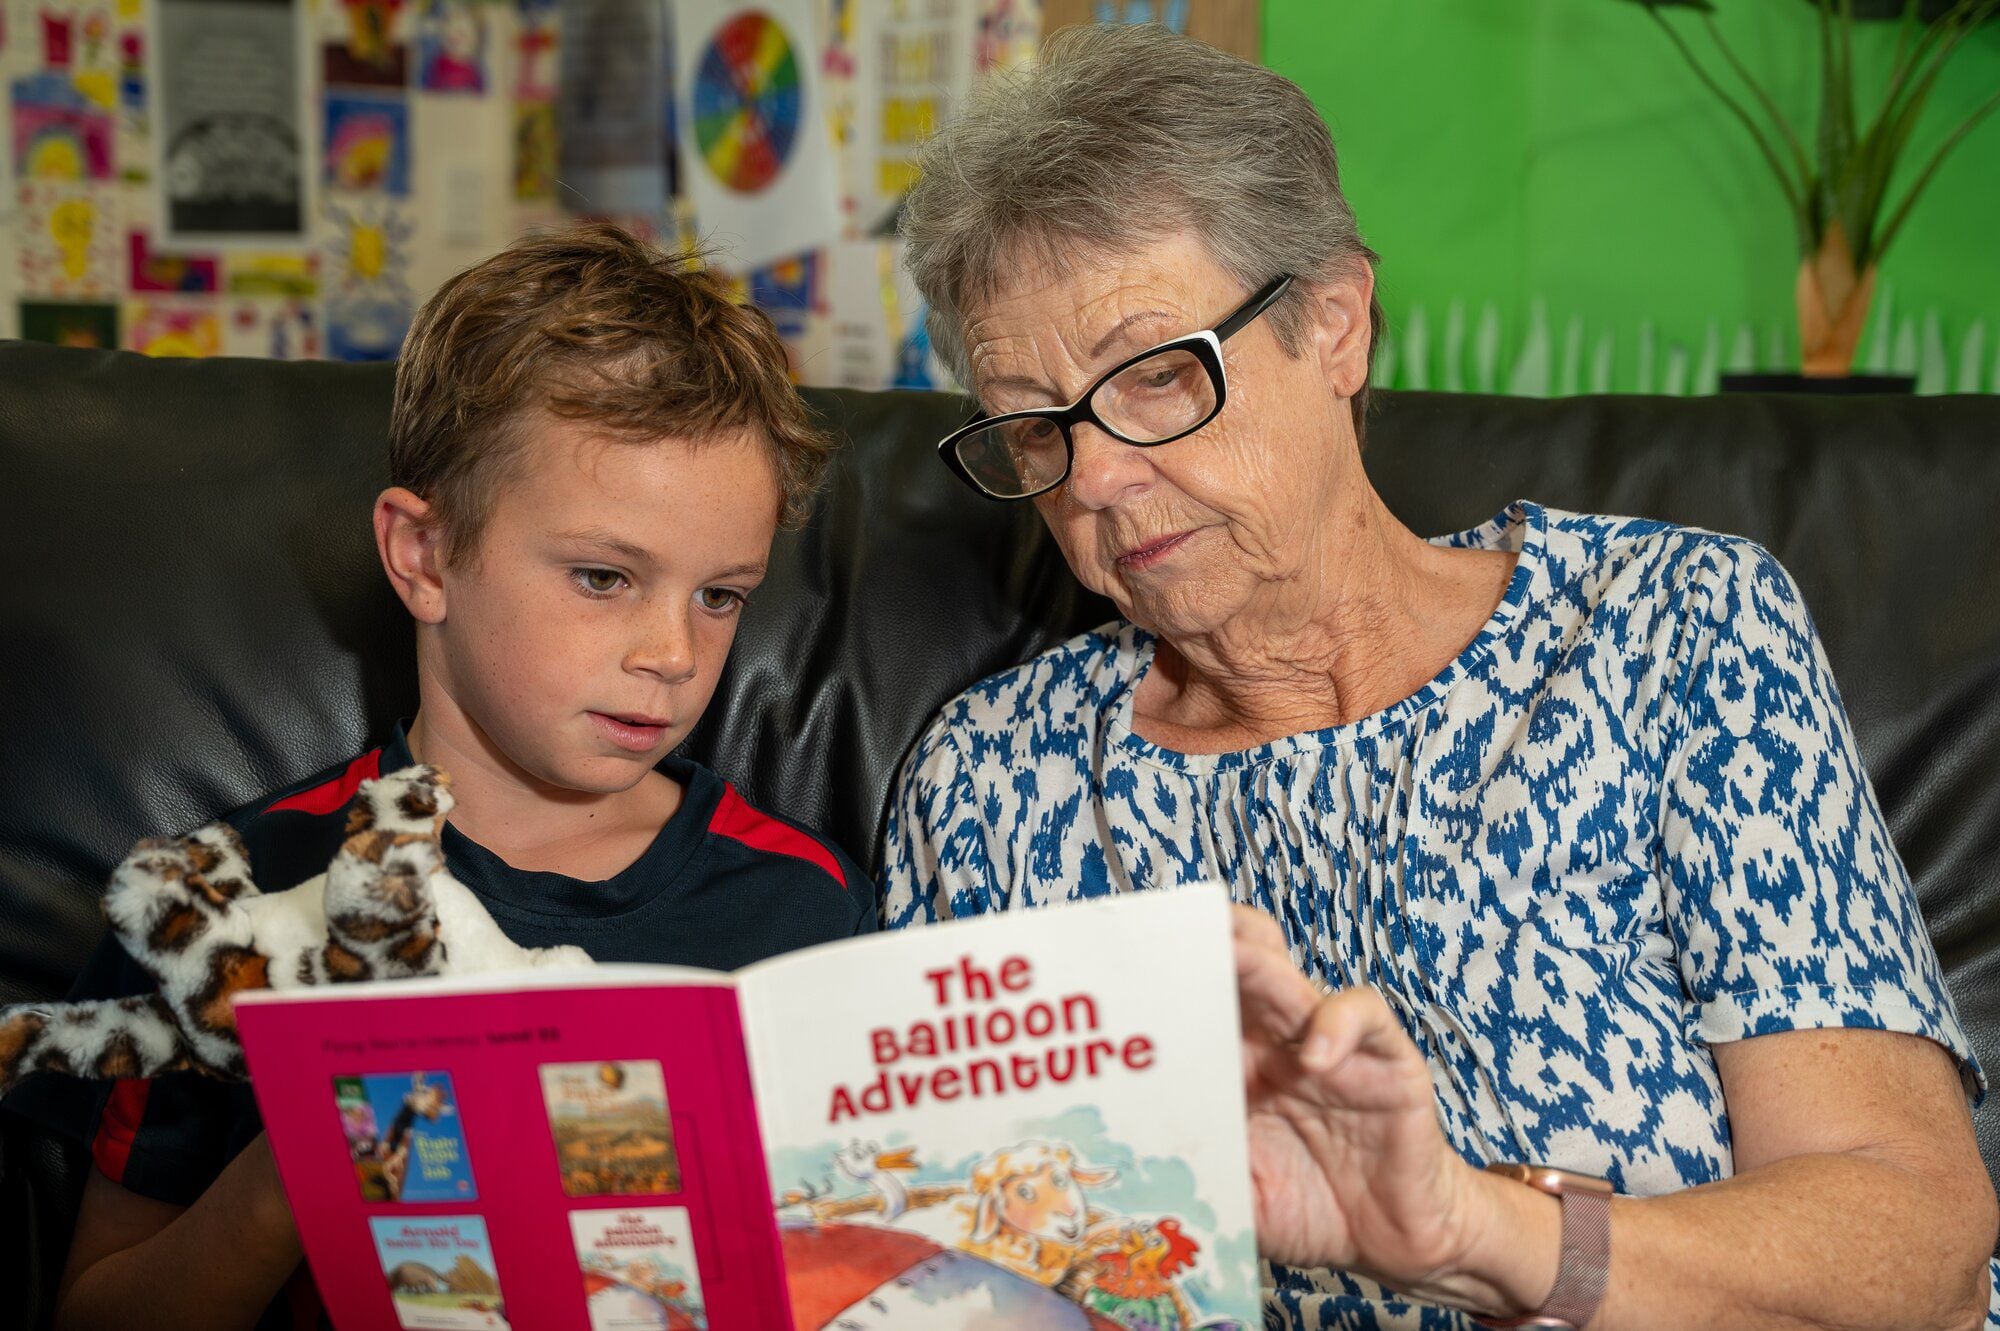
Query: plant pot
(1760, 381)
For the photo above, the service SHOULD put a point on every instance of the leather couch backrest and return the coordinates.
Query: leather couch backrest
(192, 612)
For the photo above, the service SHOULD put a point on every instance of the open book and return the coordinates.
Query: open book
(1027, 1120)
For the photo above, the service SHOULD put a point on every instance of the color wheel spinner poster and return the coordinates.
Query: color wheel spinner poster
(765, 187)
(747, 102)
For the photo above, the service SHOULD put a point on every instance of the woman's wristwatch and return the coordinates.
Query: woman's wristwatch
(1585, 1264)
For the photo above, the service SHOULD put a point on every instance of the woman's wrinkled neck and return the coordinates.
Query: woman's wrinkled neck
(1372, 613)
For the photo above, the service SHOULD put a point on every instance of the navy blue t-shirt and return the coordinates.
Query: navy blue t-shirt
(721, 886)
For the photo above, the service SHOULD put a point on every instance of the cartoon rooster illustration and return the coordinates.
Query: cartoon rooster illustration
(1133, 1283)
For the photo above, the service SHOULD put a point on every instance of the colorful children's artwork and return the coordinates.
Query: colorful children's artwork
(613, 1134)
(385, 65)
(861, 304)
(369, 302)
(59, 134)
(58, 39)
(789, 292)
(451, 47)
(172, 326)
(132, 143)
(440, 1271)
(291, 273)
(1008, 31)
(371, 32)
(68, 241)
(535, 39)
(639, 1269)
(405, 1137)
(279, 328)
(912, 66)
(367, 143)
(534, 151)
(70, 325)
(162, 270)
(1232, 25)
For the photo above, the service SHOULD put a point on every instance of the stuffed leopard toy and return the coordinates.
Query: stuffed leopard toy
(186, 910)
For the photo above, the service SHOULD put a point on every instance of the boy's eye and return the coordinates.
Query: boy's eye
(599, 581)
(720, 600)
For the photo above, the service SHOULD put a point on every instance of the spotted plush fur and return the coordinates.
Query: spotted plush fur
(187, 911)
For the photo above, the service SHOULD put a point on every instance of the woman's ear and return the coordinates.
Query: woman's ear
(1342, 330)
(410, 545)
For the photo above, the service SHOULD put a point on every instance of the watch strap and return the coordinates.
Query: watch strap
(1585, 1265)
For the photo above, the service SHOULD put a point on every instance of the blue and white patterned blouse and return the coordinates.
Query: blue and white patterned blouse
(1628, 822)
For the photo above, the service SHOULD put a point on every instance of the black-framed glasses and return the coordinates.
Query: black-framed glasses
(1160, 395)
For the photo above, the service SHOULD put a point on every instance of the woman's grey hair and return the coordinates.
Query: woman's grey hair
(1118, 137)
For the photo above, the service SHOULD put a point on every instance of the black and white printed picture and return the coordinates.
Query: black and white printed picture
(231, 119)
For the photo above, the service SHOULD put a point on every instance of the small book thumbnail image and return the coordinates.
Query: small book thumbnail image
(440, 1272)
(405, 1137)
(614, 1136)
(639, 1270)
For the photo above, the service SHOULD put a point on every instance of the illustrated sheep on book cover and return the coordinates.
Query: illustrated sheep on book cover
(1061, 1226)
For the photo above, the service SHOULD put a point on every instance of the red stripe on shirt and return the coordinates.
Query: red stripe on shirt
(331, 796)
(111, 1148)
(735, 819)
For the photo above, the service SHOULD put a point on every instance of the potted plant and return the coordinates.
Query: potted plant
(1838, 189)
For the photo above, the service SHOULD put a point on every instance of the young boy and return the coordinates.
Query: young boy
(591, 449)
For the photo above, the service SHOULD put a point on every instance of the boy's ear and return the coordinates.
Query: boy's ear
(412, 555)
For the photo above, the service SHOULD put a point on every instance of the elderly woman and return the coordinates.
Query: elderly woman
(1561, 815)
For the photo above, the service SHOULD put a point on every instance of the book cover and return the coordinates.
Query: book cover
(674, 1034)
(440, 1272)
(404, 1137)
(613, 1133)
(1031, 1120)
(639, 1269)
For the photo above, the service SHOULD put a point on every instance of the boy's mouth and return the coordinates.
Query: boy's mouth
(633, 731)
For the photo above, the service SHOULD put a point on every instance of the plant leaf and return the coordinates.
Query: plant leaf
(1869, 11)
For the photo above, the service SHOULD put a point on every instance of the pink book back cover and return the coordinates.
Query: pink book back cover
(575, 1159)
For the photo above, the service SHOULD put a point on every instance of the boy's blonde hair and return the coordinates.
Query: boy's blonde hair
(585, 324)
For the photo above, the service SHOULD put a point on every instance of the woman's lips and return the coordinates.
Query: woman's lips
(637, 733)
(1145, 556)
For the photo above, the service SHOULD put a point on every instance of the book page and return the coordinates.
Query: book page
(1027, 1120)
(577, 1151)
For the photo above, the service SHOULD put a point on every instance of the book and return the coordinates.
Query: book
(1032, 1120)
(438, 1270)
(403, 1138)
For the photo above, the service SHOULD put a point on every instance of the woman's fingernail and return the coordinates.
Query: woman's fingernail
(1317, 1056)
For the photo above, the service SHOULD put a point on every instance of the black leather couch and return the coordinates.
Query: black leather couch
(191, 613)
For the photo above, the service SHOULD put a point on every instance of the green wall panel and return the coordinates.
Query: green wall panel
(1506, 155)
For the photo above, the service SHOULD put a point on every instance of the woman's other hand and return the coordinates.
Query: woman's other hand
(1348, 1163)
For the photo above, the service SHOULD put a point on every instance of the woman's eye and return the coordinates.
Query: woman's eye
(720, 599)
(1160, 379)
(599, 581)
